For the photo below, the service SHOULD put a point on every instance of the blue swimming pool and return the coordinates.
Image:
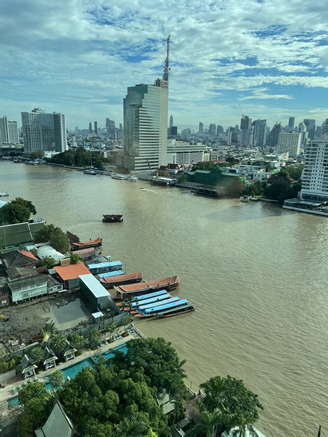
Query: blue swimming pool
(74, 369)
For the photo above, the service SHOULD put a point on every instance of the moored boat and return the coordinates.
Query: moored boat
(143, 297)
(90, 171)
(175, 311)
(245, 198)
(119, 176)
(112, 218)
(152, 312)
(86, 244)
(129, 278)
(161, 300)
(254, 199)
(169, 283)
(2, 194)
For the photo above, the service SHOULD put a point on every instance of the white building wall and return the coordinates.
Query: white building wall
(315, 173)
(289, 142)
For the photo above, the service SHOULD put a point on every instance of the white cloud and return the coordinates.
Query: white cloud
(78, 57)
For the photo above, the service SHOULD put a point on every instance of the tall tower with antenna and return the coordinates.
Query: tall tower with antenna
(166, 67)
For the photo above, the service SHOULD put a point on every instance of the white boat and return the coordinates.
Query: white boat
(3, 194)
(93, 172)
(255, 199)
(132, 178)
(119, 176)
(245, 198)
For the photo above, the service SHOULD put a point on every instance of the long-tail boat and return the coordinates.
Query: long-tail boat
(144, 287)
(86, 244)
(175, 311)
(152, 312)
(138, 299)
(136, 303)
(129, 278)
(164, 299)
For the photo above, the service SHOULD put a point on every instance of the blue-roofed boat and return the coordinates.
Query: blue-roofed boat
(151, 312)
(110, 274)
(95, 269)
(137, 299)
(161, 296)
(175, 311)
(128, 278)
(160, 302)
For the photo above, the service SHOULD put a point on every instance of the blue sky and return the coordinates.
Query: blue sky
(266, 59)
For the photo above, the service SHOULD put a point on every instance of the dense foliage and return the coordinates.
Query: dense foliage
(255, 190)
(9, 362)
(101, 400)
(282, 190)
(39, 154)
(78, 158)
(235, 188)
(204, 165)
(57, 238)
(18, 210)
(47, 261)
(293, 171)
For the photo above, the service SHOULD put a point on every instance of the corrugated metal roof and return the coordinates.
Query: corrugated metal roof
(72, 271)
(103, 265)
(94, 286)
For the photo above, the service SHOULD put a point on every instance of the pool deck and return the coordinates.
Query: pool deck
(7, 392)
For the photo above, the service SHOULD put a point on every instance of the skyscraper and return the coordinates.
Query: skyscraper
(90, 128)
(289, 142)
(212, 130)
(201, 127)
(145, 110)
(246, 130)
(171, 121)
(96, 128)
(291, 122)
(110, 128)
(259, 137)
(272, 138)
(44, 131)
(315, 173)
(8, 131)
(219, 130)
(310, 127)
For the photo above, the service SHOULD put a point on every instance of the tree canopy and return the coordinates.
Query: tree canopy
(228, 403)
(18, 210)
(101, 400)
(281, 190)
(58, 343)
(78, 158)
(58, 239)
(204, 165)
(236, 187)
(47, 261)
(292, 171)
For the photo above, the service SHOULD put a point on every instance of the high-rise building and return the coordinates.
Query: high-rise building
(231, 135)
(145, 110)
(219, 130)
(289, 142)
(8, 131)
(110, 128)
(260, 133)
(272, 138)
(96, 128)
(201, 127)
(291, 122)
(246, 130)
(302, 130)
(171, 121)
(212, 130)
(315, 173)
(174, 131)
(90, 128)
(324, 133)
(44, 131)
(310, 127)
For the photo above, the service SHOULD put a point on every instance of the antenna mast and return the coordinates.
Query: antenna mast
(166, 65)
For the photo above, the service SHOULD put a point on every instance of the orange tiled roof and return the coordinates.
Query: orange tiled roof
(72, 271)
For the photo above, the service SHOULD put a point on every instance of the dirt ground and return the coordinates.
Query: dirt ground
(26, 321)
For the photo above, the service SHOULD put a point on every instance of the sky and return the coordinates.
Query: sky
(264, 59)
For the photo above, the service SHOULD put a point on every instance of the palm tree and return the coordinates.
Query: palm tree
(48, 331)
(36, 354)
(131, 427)
(126, 321)
(128, 302)
(94, 336)
(56, 379)
(111, 327)
(58, 343)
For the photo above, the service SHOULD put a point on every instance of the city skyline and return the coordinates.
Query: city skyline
(226, 59)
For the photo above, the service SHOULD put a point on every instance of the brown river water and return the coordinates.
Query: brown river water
(257, 275)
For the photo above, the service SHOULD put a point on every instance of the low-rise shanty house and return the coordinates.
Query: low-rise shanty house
(27, 367)
(49, 358)
(16, 258)
(45, 250)
(28, 288)
(21, 272)
(4, 292)
(57, 424)
(70, 274)
(54, 286)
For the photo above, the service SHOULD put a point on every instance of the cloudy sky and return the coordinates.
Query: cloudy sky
(266, 59)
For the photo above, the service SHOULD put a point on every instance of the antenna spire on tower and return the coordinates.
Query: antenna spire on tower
(166, 65)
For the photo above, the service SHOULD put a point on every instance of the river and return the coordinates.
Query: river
(257, 275)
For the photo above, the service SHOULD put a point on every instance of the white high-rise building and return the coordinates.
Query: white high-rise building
(315, 173)
(289, 142)
(145, 112)
(260, 133)
(44, 131)
(8, 131)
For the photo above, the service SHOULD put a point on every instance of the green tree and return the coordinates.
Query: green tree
(35, 413)
(236, 188)
(182, 179)
(209, 165)
(130, 427)
(39, 154)
(48, 331)
(17, 211)
(57, 238)
(56, 379)
(36, 354)
(94, 336)
(111, 328)
(228, 403)
(47, 261)
(31, 391)
(58, 343)
(231, 160)
(77, 341)
(74, 258)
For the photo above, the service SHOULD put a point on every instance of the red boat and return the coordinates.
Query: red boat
(144, 287)
(129, 278)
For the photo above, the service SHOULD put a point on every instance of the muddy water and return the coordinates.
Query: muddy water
(256, 274)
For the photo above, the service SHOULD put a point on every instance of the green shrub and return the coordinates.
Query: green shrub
(78, 353)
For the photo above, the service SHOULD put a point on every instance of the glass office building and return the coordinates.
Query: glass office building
(145, 109)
